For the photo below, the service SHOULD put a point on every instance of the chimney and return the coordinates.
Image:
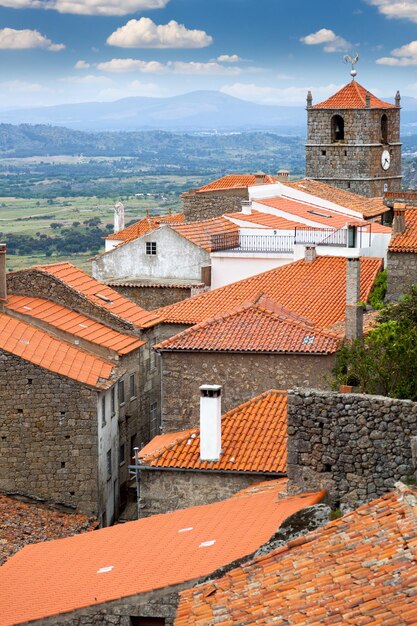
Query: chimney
(310, 254)
(354, 312)
(246, 207)
(259, 178)
(398, 223)
(3, 284)
(397, 99)
(309, 100)
(119, 217)
(210, 422)
(283, 176)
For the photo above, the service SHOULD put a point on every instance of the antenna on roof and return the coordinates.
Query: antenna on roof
(352, 60)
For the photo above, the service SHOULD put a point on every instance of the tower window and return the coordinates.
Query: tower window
(323, 153)
(338, 128)
(384, 129)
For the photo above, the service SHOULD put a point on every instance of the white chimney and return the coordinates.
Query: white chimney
(210, 422)
(119, 217)
(246, 207)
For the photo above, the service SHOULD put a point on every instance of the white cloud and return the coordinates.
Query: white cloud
(333, 43)
(404, 56)
(135, 88)
(275, 95)
(228, 58)
(144, 33)
(193, 67)
(88, 7)
(131, 65)
(172, 67)
(396, 10)
(81, 65)
(90, 79)
(11, 39)
(22, 86)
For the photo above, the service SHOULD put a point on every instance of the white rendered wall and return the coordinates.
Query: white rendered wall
(109, 244)
(227, 267)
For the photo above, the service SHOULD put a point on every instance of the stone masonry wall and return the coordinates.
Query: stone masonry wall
(151, 298)
(162, 491)
(353, 445)
(200, 206)
(48, 436)
(243, 376)
(401, 273)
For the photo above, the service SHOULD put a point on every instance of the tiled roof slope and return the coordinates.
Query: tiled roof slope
(200, 233)
(236, 181)
(73, 323)
(264, 220)
(254, 439)
(53, 354)
(369, 207)
(406, 241)
(359, 569)
(352, 96)
(315, 290)
(145, 225)
(22, 523)
(253, 327)
(99, 294)
(60, 576)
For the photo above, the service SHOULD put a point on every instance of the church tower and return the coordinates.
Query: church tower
(353, 141)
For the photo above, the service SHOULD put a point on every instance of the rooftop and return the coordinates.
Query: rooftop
(55, 355)
(61, 576)
(316, 291)
(69, 321)
(368, 207)
(352, 96)
(264, 220)
(406, 241)
(359, 569)
(258, 326)
(254, 439)
(237, 181)
(144, 226)
(200, 233)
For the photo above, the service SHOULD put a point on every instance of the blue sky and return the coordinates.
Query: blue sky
(268, 51)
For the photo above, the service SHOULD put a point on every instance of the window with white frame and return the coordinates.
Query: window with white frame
(151, 248)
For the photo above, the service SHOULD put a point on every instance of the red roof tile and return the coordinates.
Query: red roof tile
(236, 181)
(352, 96)
(360, 569)
(315, 290)
(144, 226)
(200, 233)
(53, 354)
(73, 323)
(253, 327)
(112, 563)
(98, 294)
(254, 439)
(406, 241)
(264, 220)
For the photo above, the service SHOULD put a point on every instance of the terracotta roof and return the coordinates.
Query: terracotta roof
(265, 220)
(61, 576)
(352, 96)
(163, 283)
(359, 569)
(406, 241)
(22, 523)
(253, 327)
(53, 354)
(315, 290)
(73, 323)
(97, 293)
(144, 226)
(254, 439)
(369, 207)
(200, 233)
(236, 181)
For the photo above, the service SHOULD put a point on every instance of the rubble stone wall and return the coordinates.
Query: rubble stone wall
(401, 273)
(200, 206)
(151, 298)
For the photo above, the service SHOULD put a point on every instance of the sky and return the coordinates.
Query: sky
(266, 51)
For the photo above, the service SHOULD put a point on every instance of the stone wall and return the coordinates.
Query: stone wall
(48, 436)
(401, 273)
(353, 445)
(242, 375)
(162, 491)
(151, 298)
(203, 206)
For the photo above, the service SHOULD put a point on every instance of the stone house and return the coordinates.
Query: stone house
(130, 574)
(402, 252)
(177, 470)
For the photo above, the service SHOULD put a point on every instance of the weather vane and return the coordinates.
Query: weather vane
(352, 60)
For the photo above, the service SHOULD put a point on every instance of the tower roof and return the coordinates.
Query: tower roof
(353, 96)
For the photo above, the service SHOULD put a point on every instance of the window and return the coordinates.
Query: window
(323, 153)
(132, 386)
(113, 401)
(154, 419)
(103, 411)
(152, 354)
(151, 247)
(384, 129)
(108, 459)
(147, 621)
(338, 128)
(132, 445)
(122, 454)
(121, 392)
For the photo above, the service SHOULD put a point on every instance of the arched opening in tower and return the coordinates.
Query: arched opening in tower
(384, 129)
(338, 128)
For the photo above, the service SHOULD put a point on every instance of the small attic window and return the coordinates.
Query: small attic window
(151, 248)
(104, 298)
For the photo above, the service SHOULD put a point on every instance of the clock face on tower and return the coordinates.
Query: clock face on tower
(385, 159)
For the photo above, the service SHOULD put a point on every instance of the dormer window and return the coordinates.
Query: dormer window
(338, 128)
(151, 247)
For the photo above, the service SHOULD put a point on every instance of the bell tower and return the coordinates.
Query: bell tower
(353, 141)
